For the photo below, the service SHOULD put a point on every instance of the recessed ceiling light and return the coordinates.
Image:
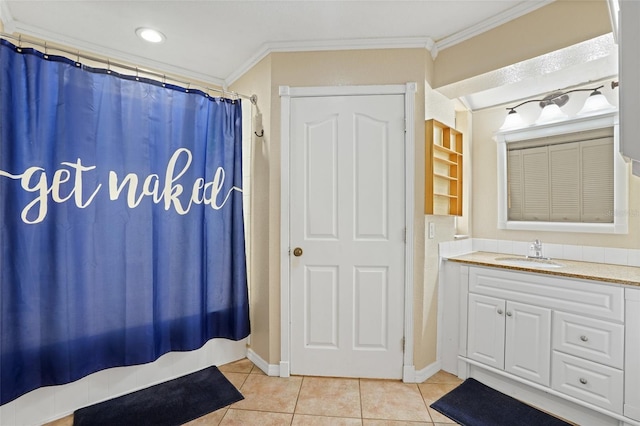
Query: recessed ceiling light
(150, 35)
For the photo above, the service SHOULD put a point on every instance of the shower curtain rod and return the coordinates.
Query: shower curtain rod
(108, 62)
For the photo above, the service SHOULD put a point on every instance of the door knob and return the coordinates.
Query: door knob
(297, 251)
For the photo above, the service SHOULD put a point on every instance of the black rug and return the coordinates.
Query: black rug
(166, 404)
(475, 404)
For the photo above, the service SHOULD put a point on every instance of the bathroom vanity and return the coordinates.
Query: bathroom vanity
(563, 335)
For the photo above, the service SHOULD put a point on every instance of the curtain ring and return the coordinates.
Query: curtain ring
(108, 66)
(19, 49)
(164, 80)
(137, 75)
(188, 86)
(78, 59)
(46, 53)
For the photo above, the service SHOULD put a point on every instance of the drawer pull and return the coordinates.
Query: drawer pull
(509, 313)
(500, 311)
(584, 338)
(583, 380)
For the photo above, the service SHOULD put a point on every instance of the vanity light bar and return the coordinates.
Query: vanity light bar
(551, 112)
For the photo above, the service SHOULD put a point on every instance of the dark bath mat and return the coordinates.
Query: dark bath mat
(170, 403)
(475, 404)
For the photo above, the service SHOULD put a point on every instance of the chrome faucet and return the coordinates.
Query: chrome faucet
(535, 250)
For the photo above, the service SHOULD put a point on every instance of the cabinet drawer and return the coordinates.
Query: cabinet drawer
(592, 339)
(590, 382)
(569, 295)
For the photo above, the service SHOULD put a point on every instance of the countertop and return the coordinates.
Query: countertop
(605, 272)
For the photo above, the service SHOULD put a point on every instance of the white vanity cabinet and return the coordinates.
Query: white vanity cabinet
(563, 336)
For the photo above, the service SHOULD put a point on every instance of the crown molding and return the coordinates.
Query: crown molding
(434, 50)
(134, 60)
(393, 43)
(265, 50)
(326, 45)
(502, 18)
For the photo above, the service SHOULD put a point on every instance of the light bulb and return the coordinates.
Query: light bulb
(150, 35)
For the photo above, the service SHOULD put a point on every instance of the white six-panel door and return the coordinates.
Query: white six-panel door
(347, 235)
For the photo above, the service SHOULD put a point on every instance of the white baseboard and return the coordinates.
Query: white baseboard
(268, 369)
(428, 371)
(409, 374)
(284, 369)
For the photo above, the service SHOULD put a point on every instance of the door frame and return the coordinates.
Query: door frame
(286, 94)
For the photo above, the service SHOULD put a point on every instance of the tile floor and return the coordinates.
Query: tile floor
(306, 400)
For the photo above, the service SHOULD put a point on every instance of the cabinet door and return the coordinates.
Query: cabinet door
(486, 330)
(528, 342)
(632, 353)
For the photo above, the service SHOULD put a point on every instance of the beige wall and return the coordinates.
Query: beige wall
(257, 81)
(444, 231)
(552, 27)
(442, 109)
(332, 68)
(484, 178)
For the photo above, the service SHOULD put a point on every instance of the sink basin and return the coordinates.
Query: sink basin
(529, 262)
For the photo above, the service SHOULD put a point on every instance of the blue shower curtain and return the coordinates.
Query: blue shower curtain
(121, 229)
